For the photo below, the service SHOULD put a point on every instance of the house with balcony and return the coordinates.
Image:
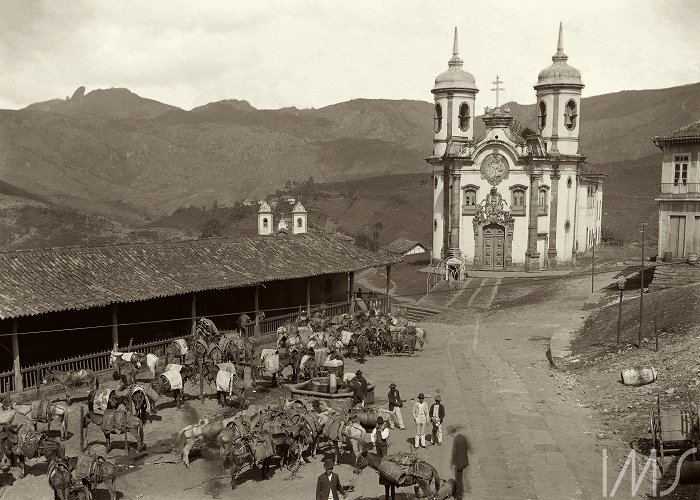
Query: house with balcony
(679, 193)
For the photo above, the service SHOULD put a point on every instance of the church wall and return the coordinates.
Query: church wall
(438, 200)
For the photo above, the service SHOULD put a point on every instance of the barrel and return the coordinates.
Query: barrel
(639, 375)
(392, 471)
(320, 385)
(690, 472)
(668, 257)
(332, 384)
(446, 490)
(367, 419)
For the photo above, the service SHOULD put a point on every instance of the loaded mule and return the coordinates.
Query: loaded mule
(92, 470)
(338, 428)
(61, 481)
(71, 379)
(19, 443)
(105, 399)
(272, 363)
(173, 380)
(44, 411)
(413, 472)
(115, 422)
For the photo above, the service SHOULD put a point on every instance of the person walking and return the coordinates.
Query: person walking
(380, 437)
(460, 460)
(437, 415)
(420, 417)
(328, 484)
(395, 404)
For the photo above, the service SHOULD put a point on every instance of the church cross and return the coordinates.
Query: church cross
(498, 88)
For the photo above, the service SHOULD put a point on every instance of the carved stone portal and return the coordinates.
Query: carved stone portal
(492, 212)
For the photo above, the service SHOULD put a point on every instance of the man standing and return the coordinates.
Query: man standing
(437, 415)
(328, 484)
(395, 404)
(380, 437)
(460, 460)
(360, 392)
(420, 417)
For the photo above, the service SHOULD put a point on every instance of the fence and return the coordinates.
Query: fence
(33, 376)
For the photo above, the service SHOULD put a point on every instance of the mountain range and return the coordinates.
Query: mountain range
(113, 154)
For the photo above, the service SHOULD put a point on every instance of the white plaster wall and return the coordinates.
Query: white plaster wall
(519, 239)
(438, 200)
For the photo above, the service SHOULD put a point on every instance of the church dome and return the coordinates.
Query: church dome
(298, 208)
(264, 208)
(455, 77)
(559, 72)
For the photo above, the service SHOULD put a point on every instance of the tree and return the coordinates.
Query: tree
(211, 228)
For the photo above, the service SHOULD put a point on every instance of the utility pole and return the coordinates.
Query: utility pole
(641, 291)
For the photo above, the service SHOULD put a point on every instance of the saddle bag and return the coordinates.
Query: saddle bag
(261, 446)
(115, 420)
(333, 429)
(40, 410)
(392, 471)
(28, 441)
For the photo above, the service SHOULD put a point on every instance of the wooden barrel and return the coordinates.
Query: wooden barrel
(446, 490)
(639, 375)
(392, 471)
(367, 419)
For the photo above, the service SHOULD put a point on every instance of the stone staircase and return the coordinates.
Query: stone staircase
(668, 275)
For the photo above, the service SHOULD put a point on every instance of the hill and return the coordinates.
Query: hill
(115, 154)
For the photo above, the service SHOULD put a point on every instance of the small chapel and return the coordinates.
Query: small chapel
(514, 198)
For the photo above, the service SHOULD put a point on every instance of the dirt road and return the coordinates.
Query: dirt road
(531, 436)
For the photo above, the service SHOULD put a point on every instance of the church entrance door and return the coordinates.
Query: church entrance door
(494, 243)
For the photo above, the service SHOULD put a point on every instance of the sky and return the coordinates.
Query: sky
(312, 53)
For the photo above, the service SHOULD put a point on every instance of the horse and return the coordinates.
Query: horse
(141, 403)
(228, 383)
(108, 399)
(116, 422)
(71, 379)
(173, 380)
(338, 428)
(259, 446)
(269, 365)
(22, 443)
(419, 474)
(94, 469)
(60, 478)
(126, 372)
(177, 347)
(44, 411)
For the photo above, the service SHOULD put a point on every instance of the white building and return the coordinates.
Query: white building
(515, 198)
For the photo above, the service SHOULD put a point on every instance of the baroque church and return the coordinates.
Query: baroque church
(514, 198)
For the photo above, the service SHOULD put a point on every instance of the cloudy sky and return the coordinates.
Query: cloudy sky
(309, 53)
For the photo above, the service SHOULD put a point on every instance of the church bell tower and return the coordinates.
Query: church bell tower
(559, 102)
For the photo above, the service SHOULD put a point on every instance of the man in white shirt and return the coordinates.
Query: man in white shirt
(420, 417)
(380, 437)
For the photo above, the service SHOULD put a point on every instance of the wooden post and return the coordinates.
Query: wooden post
(115, 328)
(593, 266)
(351, 287)
(257, 312)
(619, 319)
(641, 292)
(16, 365)
(82, 438)
(388, 287)
(308, 296)
(656, 335)
(201, 379)
(193, 314)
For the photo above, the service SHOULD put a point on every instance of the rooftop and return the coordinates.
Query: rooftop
(61, 279)
(689, 132)
(401, 245)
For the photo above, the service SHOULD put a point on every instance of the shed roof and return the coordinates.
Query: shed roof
(60, 279)
(401, 246)
(690, 132)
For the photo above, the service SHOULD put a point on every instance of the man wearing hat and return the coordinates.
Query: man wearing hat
(360, 393)
(437, 415)
(380, 437)
(328, 484)
(395, 404)
(420, 417)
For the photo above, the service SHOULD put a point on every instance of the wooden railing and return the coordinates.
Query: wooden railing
(32, 376)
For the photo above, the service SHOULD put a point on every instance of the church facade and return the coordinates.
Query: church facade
(514, 198)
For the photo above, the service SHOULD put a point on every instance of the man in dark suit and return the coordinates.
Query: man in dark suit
(395, 404)
(328, 484)
(460, 460)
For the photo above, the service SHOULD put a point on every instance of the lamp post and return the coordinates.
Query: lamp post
(621, 286)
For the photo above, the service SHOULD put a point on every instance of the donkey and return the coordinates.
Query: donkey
(423, 474)
(71, 379)
(23, 443)
(126, 372)
(107, 398)
(60, 478)
(44, 411)
(93, 470)
(173, 381)
(116, 421)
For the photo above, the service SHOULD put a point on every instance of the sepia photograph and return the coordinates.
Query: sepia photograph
(325, 249)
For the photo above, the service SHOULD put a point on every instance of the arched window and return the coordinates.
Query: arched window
(438, 118)
(464, 117)
(543, 200)
(469, 198)
(541, 115)
(265, 223)
(300, 223)
(517, 199)
(570, 115)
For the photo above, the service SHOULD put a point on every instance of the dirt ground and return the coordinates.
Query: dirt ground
(531, 434)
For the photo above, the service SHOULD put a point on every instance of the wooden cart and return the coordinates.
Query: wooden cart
(674, 431)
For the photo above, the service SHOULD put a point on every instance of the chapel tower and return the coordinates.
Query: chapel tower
(558, 103)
